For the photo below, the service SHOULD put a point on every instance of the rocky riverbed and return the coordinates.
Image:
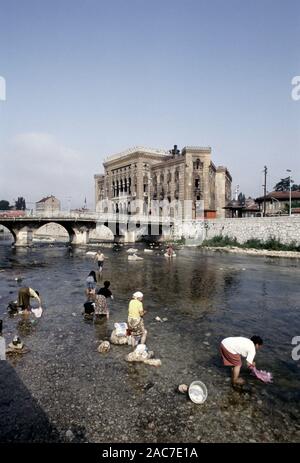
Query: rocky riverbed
(63, 390)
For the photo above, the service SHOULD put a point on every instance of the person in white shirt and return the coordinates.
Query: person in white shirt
(232, 349)
(99, 257)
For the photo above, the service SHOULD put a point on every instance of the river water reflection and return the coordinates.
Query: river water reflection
(205, 297)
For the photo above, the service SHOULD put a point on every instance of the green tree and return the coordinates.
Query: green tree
(4, 205)
(20, 204)
(295, 187)
(283, 185)
(294, 204)
(241, 198)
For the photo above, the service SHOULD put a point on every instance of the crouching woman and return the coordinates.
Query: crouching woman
(232, 349)
(135, 318)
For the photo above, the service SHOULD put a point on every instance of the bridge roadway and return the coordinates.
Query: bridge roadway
(79, 225)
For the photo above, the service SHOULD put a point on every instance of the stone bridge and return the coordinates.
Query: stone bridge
(124, 227)
(23, 228)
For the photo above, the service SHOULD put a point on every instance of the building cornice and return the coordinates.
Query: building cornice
(196, 149)
(135, 150)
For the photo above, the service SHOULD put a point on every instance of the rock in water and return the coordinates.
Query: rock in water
(69, 435)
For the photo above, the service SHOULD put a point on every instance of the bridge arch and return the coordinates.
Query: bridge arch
(102, 232)
(53, 230)
(5, 231)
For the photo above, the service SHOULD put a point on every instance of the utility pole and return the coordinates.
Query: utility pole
(265, 190)
(290, 195)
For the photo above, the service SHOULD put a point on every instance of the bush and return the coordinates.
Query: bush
(271, 244)
(221, 241)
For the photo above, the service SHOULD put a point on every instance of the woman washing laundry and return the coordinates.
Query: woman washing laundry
(135, 318)
(24, 296)
(232, 349)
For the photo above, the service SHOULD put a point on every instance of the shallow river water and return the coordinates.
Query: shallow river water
(63, 389)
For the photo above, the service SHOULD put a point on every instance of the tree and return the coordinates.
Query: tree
(295, 187)
(283, 185)
(4, 205)
(294, 204)
(241, 198)
(20, 204)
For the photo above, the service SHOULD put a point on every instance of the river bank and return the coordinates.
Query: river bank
(253, 252)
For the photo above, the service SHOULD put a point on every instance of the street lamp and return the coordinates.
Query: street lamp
(290, 183)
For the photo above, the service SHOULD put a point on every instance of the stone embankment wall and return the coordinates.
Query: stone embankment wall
(285, 229)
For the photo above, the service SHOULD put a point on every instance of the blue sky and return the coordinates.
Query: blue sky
(86, 79)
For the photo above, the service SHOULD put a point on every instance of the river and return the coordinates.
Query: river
(83, 396)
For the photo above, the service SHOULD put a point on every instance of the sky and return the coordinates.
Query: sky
(86, 79)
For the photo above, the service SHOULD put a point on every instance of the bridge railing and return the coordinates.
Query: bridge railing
(97, 216)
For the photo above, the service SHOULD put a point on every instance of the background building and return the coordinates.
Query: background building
(48, 204)
(277, 202)
(148, 174)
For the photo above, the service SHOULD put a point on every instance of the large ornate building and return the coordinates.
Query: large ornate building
(147, 175)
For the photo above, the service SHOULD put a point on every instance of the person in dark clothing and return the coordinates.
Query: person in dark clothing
(105, 291)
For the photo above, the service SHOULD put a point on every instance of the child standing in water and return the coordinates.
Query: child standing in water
(99, 257)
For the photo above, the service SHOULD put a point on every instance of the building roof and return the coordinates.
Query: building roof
(235, 205)
(137, 149)
(45, 199)
(204, 149)
(158, 152)
(280, 195)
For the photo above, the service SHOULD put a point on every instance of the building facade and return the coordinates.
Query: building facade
(278, 202)
(48, 204)
(147, 175)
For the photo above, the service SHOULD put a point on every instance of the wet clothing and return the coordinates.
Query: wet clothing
(136, 326)
(229, 359)
(99, 318)
(101, 307)
(89, 307)
(90, 294)
(105, 292)
(100, 260)
(239, 346)
(24, 296)
(90, 282)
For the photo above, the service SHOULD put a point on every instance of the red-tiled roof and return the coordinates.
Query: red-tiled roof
(280, 195)
(45, 199)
